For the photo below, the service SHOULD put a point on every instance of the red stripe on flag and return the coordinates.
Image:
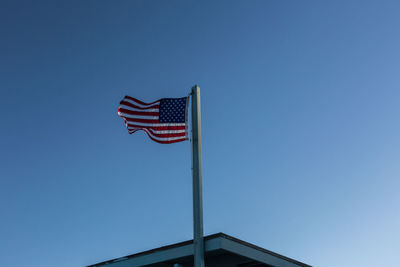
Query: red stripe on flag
(158, 128)
(165, 135)
(140, 102)
(134, 112)
(137, 107)
(142, 120)
(157, 140)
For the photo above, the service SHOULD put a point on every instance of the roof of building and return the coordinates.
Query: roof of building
(219, 248)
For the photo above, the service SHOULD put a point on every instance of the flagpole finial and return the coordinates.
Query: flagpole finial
(194, 87)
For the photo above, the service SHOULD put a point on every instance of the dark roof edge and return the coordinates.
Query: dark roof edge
(262, 249)
(188, 242)
(184, 243)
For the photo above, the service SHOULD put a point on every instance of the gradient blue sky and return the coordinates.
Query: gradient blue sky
(301, 127)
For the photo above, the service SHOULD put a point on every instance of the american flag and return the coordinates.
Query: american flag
(164, 120)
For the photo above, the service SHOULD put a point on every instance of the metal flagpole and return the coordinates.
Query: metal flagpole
(198, 240)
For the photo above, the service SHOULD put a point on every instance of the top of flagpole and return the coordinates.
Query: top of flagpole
(193, 90)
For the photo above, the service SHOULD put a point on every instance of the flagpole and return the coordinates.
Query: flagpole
(198, 239)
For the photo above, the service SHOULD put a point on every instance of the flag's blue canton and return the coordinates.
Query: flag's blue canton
(172, 110)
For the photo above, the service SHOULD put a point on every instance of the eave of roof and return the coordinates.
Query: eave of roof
(206, 238)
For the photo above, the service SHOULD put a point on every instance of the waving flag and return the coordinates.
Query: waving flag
(164, 120)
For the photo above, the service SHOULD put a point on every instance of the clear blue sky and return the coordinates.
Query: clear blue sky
(301, 127)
